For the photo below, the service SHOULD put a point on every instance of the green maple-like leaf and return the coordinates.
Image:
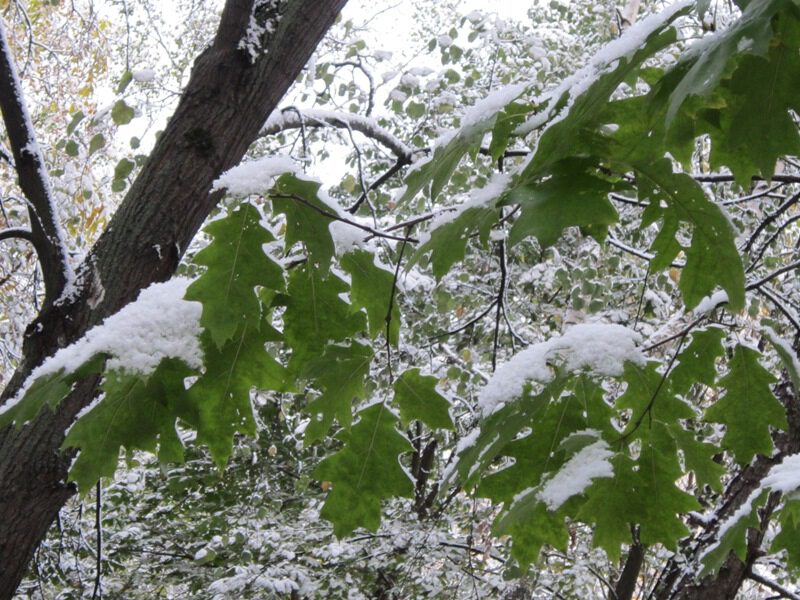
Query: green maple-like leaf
(712, 260)
(316, 314)
(571, 196)
(135, 413)
(699, 72)
(417, 398)
(218, 404)
(696, 363)
(757, 124)
(497, 430)
(340, 373)
(507, 121)
(734, 536)
(306, 220)
(447, 154)
(237, 265)
(534, 455)
(48, 390)
(698, 457)
(531, 526)
(749, 408)
(371, 288)
(643, 492)
(365, 471)
(788, 539)
(448, 241)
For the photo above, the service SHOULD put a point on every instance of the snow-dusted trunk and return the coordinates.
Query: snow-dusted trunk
(231, 93)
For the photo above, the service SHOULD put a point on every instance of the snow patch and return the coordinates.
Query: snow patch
(601, 348)
(159, 324)
(709, 303)
(255, 176)
(577, 474)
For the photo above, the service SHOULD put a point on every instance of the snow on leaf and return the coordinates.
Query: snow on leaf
(453, 146)
(600, 348)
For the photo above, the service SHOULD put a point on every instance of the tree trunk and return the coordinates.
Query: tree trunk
(220, 113)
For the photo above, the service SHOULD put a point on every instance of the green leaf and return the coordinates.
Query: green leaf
(698, 73)
(121, 113)
(236, 265)
(417, 398)
(124, 81)
(448, 152)
(734, 537)
(340, 373)
(579, 407)
(788, 538)
(696, 364)
(123, 169)
(643, 492)
(306, 223)
(532, 526)
(47, 390)
(712, 260)
(754, 128)
(218, 403)
(476, 452)
(135, 413)
(371, 288)
(97, 142)
(77, 117)
(570, 197)
(749, 408)
(72, 148)
(448, 241)
(316, 314)
(508, 120)
(365, 471)
(698, 457)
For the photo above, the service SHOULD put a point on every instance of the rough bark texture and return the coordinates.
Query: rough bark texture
(226, 101)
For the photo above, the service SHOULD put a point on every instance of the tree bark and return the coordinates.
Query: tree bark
(220, 113)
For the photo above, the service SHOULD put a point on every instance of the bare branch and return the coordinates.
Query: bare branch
(775, 587)
(293, 118)
(33, 178)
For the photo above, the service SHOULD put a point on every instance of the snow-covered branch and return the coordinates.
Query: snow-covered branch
(292, 118)
(46, 233)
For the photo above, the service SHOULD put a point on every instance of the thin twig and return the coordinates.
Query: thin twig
(334, 217)
(389, 312)
(500, 295)
(775, 587)
(98, 587)
(784, 269)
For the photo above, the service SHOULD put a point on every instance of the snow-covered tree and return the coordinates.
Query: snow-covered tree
(539, 339)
